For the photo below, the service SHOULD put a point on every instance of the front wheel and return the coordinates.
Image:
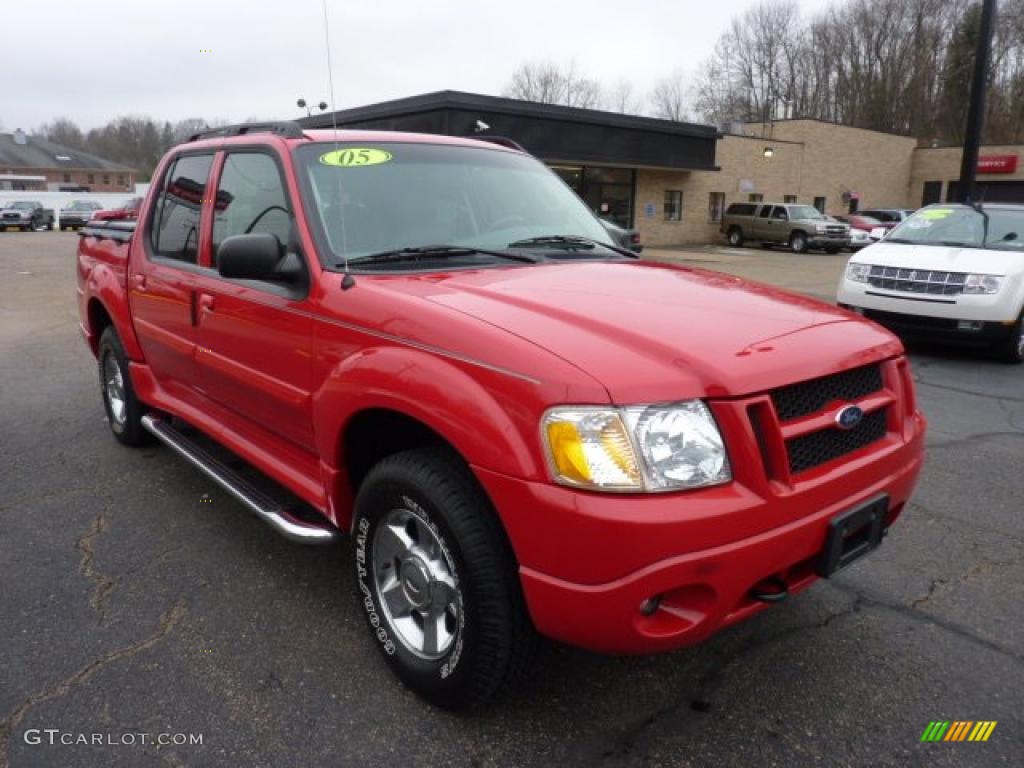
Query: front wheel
(736, 237)
(798, 242)
(1011, 349)
(124, 411)
(437, 581)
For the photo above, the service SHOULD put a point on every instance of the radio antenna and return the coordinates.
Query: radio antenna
(347, 281)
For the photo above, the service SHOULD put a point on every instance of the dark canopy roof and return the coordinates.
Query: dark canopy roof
(551, 132)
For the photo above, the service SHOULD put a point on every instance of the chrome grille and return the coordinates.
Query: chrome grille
(925, 281)
(836, 231)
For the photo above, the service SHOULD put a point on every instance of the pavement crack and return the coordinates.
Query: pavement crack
(963, 391)
(985, 566)
(167, 622)
(104, 584)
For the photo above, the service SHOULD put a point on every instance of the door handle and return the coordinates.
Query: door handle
(206, 303)
(139, 282)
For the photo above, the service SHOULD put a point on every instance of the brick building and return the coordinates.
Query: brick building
(672, 180)
(32, 163)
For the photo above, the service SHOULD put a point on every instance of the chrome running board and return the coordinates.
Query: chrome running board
(266, 508)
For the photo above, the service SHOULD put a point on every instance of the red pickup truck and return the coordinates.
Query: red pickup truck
(432, 344)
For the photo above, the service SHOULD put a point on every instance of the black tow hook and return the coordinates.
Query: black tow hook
(770, 590)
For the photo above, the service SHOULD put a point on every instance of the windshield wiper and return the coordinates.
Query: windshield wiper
(569, 243)
(564, 241)
(414, 253)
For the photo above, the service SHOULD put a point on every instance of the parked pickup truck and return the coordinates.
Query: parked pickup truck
(800, 227)
(431, 344)
(27, 215)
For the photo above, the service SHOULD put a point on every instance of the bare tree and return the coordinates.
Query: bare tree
(670, 98)
(549, 83)
(623, 98)
(62, 130)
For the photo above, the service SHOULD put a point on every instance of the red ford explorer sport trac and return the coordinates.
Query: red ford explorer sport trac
(432, 345)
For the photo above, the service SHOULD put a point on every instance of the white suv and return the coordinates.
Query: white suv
(949, 272)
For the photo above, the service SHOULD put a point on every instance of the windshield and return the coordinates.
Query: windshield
(804, 212)
(374, 198)
(22, 206)
(81, 205)
(962, 226)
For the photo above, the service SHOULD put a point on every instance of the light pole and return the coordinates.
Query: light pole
(976, 110)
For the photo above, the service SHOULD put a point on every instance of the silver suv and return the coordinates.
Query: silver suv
(801, 227)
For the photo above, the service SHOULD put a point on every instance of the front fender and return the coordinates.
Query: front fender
(441, 393)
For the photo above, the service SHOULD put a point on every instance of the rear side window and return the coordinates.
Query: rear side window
(175, 230)
(766, 212)
(250, 198)
(741, 209)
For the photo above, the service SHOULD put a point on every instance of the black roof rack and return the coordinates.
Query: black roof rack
(501, 141)
(287, 128)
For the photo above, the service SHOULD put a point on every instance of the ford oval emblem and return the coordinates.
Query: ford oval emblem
(849, 417)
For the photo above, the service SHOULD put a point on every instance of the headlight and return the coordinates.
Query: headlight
(644, 448)
(986, 284)
(858, 273)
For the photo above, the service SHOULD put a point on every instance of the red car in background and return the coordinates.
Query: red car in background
(866, 223)
(129, 211)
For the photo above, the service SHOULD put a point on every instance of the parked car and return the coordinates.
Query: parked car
(801, 227)
(626, 238)
(27, 215)
(888, 215)
(127, 211)
(526, 429)
(864, 223)
(950, 272)
(77, 213)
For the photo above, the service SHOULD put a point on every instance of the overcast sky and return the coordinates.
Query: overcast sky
(107, 58)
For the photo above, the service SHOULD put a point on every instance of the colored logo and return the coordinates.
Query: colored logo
(849, 417)
(958, 730)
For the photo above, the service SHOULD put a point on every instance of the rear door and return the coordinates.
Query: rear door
(763, 223)
(255, 341)
(161, 288)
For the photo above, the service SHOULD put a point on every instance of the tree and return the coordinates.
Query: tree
(62, 130)
(670, 99)
(549, 83)
(622, 98)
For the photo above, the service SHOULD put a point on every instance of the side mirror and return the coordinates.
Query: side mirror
(250, 257)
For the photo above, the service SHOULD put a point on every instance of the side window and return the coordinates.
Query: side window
(780, 213)
(175, 231)
(765, 212)
(250, 198)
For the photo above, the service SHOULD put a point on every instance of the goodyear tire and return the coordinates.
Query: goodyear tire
(124, 411)
(437, 582)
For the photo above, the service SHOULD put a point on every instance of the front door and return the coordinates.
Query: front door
(255, 338)
(161, 290)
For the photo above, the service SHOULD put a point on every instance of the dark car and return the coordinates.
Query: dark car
(129, 211)
(77, 213)
(626, 238)
(889, 216)
(26, 215)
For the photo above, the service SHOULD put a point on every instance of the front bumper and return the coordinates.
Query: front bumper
(824, 241)
(589, 561)
(948, 331)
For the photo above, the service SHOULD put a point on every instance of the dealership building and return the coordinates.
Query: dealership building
(673, 180)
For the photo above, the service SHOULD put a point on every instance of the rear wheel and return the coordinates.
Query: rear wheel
(736, 237)
(437, 580)
(798, 242)
(124, 411)
(1011, 349)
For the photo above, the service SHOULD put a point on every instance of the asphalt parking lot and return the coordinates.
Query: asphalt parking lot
(139, 598)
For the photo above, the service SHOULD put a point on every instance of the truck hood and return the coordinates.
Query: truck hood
(655, 333)
(942, 258)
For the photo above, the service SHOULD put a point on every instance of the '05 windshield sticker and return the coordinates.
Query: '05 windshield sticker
(355, 157)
